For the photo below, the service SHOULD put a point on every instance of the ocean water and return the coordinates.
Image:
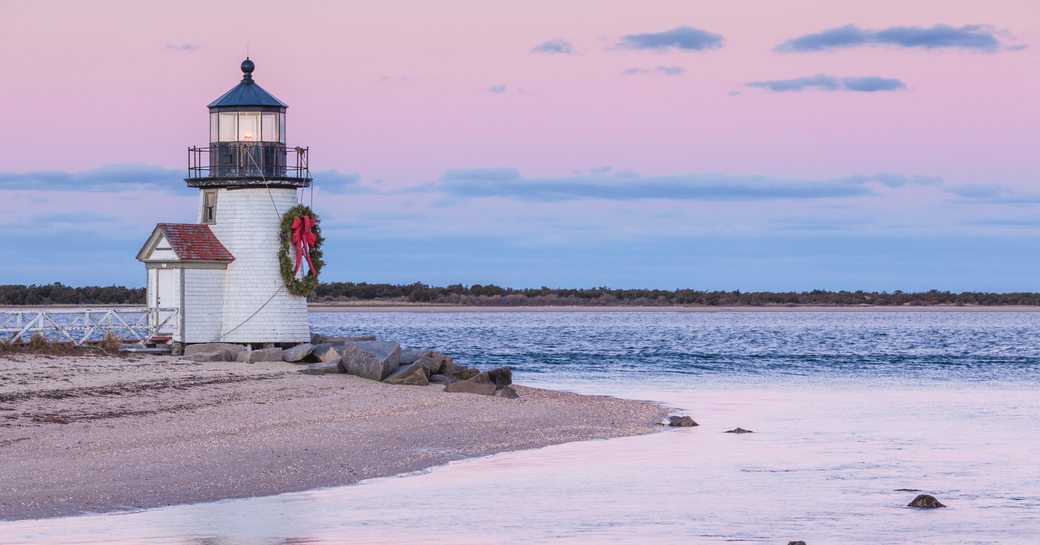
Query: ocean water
(854, 414)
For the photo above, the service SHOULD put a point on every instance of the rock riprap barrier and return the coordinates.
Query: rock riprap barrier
(369, 358)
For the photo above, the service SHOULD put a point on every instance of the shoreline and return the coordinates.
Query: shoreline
(368, 306)
(151, 431)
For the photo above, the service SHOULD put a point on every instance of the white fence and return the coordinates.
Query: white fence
(134, 324)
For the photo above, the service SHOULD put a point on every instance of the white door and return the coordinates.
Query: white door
(167, 296)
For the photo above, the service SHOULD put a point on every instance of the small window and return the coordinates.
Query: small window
(269, 127)
(214, 132)
(209, 206)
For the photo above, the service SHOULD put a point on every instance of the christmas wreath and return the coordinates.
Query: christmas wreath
(300, 230)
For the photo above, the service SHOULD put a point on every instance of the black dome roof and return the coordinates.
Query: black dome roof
(247, 93)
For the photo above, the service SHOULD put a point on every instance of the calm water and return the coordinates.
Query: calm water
(853, 413)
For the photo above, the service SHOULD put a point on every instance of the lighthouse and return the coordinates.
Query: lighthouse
(224, 277)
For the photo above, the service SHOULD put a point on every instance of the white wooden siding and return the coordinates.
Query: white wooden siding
(203, 302)
(247, 224)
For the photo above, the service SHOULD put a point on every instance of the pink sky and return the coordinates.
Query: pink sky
(397, 93)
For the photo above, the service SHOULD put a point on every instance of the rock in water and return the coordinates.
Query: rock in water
(435, 363)
(795, 543)
(412, 374)
(681, 422)
(206, 348)
(265, 354)
(327, 352)
(480, 384)
(924, 501)
(501, 377)
(507, 392)
(297, 352)
(317, 338)
(408, 356)
(739, 430)
(373, 360)
(460, 372)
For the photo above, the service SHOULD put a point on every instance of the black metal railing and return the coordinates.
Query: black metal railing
(248, 160)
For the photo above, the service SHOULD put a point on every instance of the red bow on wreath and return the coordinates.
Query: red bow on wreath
(303, 239)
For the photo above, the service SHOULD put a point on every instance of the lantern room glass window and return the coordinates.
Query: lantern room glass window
(228, 126)
(247, 127)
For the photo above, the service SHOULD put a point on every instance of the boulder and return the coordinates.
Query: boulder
(408, 356)
(795, 543)
(480, 384)
(373, 360)
(924, 501)
(502, 376)
(243, 356)
(443, 379)
(412, 374)
(327, 352)
(321, 368)
(216, 355)
(297, 352)
(739, 430)
(343, 340)
(507, 392)
(435, 362)
(681, 422)
(264, 354)
(317, 338)
(206, 348)
(460, 372)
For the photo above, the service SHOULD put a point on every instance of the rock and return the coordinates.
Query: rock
(460, 372)
(317, 338)
(206, 348)
(507, 392)
(924, 501)
(409, 356)
(480, 384)
(795, 543)
(739, 430)
(443, 379)
(436, 362)
(327, 352)
(502, 376)
(243, 356)
(216, 355)
(321, 368)
(412, 374)
(343, 340)
(297, 352)
(264, 354)
(681, 422)
(373, 360)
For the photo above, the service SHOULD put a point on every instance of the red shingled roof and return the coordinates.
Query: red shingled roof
(194, 242)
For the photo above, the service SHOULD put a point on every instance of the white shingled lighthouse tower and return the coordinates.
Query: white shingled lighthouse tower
(223, 275)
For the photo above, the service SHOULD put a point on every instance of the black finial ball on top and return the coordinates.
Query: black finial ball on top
(247, 70)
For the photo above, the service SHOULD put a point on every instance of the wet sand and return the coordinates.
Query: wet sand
(98, 434)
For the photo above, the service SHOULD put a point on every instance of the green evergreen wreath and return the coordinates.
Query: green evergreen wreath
(307, 285)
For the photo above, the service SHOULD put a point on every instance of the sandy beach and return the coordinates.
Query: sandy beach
(97, 434)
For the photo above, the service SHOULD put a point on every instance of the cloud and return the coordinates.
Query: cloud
(497, 89)
(683, 38)
(971, 37)
(183, 48)
(989, 193)
(334, 181)
(823, 82)
(509, 183)
(555, 47)
(108, 178)
(664, 70)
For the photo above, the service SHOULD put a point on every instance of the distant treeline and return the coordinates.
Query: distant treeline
(492, 295)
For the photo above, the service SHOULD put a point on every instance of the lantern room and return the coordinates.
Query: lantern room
(247, 142)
